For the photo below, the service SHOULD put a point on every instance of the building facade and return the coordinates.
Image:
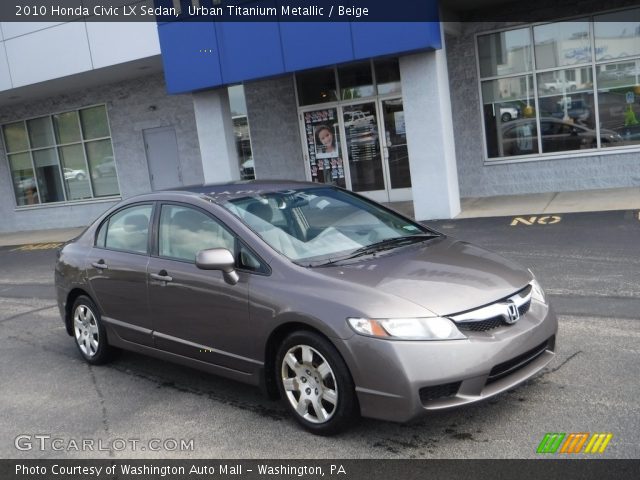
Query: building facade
(421, 112)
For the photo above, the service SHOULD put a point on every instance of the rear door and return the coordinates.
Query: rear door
(117, 272)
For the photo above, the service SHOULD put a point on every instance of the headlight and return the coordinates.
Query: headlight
(433, 328)
(536, 290)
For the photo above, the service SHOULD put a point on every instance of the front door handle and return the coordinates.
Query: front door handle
(100, 264)
(162, 276)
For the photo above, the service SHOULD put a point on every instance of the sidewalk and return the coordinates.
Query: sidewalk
(501, 206)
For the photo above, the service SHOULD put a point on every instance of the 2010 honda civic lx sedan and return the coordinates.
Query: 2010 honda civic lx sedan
(333, 302)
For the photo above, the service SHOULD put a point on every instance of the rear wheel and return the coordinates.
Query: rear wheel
(90, 335)
(506, 116)
(315, 383)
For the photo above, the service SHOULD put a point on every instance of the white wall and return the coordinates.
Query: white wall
(33, 52)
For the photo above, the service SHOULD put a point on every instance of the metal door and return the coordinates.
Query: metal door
(161, 147)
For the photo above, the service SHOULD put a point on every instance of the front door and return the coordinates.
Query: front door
(196, 313)
(361, 146)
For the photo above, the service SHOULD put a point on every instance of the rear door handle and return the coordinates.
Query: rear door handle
(100, 265)
(161, 276)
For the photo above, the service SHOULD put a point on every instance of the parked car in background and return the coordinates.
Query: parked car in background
(74, 174)
(558, 85)
(520, 136)
(333, 302)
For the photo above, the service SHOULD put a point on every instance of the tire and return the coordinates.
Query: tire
(315, 383)
(506, 116)
(89, 333)
(79, 177)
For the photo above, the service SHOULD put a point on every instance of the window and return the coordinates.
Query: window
(61, 157)
(127, 230)
(355, 80)
(241, 131)
(185, 231)
(541, 79)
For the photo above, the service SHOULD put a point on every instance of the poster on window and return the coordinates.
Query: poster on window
(323, 145)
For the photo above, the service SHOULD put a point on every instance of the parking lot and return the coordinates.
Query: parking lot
(588, 263)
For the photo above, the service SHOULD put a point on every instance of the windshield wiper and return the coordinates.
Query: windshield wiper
(386, 244)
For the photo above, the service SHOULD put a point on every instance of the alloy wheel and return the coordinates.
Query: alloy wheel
(309, 383)
(86, 330)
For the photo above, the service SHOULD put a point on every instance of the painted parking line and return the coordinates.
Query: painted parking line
(536, 220)
(36, 246)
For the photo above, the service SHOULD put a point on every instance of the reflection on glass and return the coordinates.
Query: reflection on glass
(103, 168)
(396, 143)
(241, 131)
(76, 180)
(387, 75)
(66, 127)
(48, 175)
(363, 147)
(619, 103)
(562, 43)
(567, 95)
(94, 122)
(40, 132)
(509, 116)
(24, 181)
(355, 80)
(323, 146)
(15, 137)
(617, 34)
(316, 86)
(504, 53)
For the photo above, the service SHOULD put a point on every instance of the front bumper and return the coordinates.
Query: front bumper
(400, 380)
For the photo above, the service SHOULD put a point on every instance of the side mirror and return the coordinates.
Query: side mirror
(218, 259)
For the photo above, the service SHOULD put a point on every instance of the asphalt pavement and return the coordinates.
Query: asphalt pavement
(588, 263)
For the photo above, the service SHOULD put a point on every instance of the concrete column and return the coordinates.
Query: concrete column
(428, 122)
(215, 135)
(275, 128)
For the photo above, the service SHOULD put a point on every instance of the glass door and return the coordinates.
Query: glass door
(321, 136)
(363, 150)
(395, 152)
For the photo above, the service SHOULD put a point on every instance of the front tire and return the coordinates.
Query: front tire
(88, 331)
(315, 383)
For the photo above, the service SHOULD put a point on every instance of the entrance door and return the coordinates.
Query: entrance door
(361, 146)
(395, 152)
(162, 156)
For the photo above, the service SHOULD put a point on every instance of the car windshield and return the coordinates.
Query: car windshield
(314, 226)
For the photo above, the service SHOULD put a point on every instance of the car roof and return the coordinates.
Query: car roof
(221, 192)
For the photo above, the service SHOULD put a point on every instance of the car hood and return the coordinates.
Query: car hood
(444, 275)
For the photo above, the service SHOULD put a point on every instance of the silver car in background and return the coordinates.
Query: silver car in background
(328, 300)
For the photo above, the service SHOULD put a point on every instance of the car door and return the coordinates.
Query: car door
(196, 313)
(117, 272)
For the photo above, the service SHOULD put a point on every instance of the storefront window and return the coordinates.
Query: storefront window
(552, 108)
(561, 44)
(505, 53)
(617, 35)
(241, 132)
(387, 75)
(61, 157)
(355, 80)
(317, 86)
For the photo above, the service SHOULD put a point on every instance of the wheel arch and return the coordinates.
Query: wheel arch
(275, 338)
(71, 299)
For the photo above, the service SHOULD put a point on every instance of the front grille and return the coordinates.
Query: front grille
(510, 366)
(524, 308)
(481, 326)
(439, 391)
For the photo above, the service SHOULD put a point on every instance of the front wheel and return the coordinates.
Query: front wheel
(315, 383)
(90, 335)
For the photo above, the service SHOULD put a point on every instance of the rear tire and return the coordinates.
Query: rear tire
(89, 333)
(315, 383)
